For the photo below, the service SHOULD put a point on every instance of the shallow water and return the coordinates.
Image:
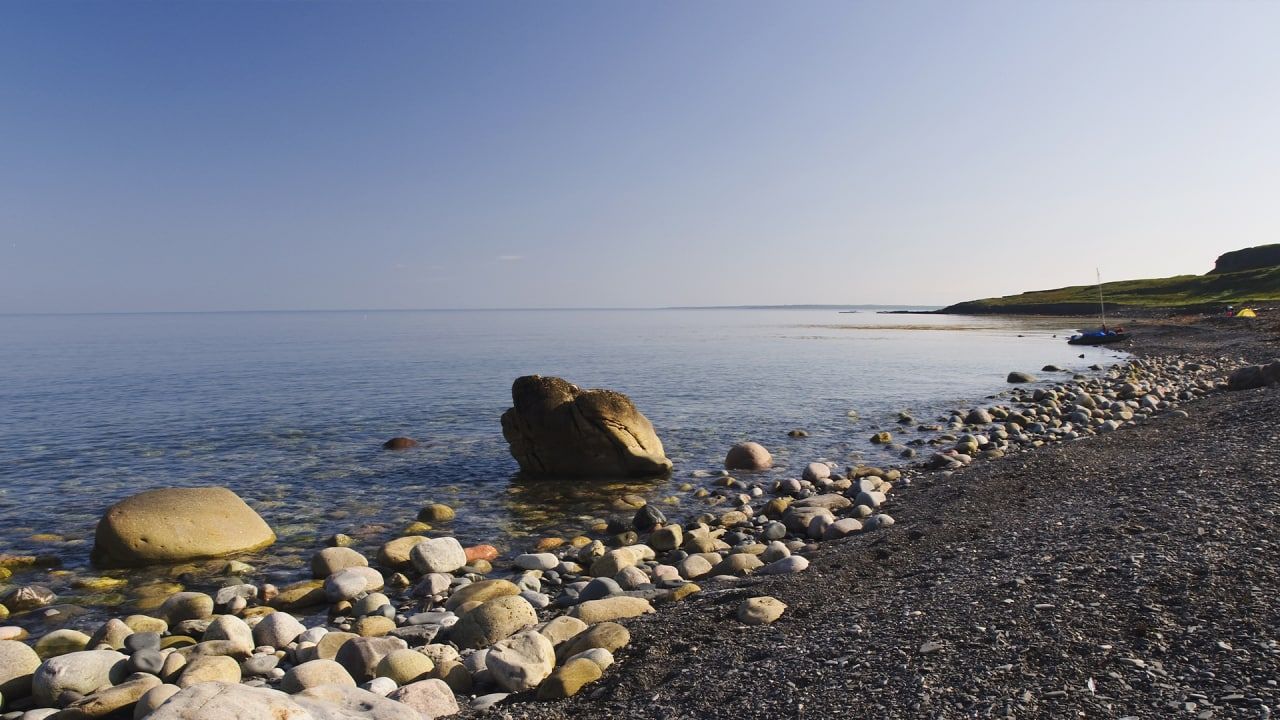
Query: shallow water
(289, 409)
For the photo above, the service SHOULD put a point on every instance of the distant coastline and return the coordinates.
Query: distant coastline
(876, 308)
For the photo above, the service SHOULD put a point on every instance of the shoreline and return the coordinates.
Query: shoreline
(1122, 575)
(718, 592)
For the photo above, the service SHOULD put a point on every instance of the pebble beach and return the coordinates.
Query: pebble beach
(834, 586)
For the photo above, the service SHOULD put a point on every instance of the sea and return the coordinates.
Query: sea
(290, 409)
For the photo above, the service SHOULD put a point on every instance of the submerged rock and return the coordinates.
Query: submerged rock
(558, 429)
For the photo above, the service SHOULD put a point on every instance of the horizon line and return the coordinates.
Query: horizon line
(789, 306)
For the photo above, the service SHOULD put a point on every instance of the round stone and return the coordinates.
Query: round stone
(537, 561)
(277, 630)
(332, 559)
(521, 662)
(209, 668)
(61, 642)
(598, 588)
(314, 674)
(815, 471)
(493, 621)
(647, 518)
(176, 524)
(748, 456)
(17, 663)
(344, 584)
(146, 661)
(760, 610)
(436, 513)
(142, 641)
(405, 666)
(186, 606)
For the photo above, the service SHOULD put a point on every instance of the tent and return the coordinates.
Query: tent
(1246, 312)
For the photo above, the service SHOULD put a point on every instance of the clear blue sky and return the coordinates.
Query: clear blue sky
(285, 155)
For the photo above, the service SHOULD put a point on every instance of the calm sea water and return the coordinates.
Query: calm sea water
(289, 409)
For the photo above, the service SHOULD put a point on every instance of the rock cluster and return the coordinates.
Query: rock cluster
(429, 625)
(1125, 395)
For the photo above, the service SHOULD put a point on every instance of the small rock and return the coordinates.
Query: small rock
(522, 661)
(186, 606)
(209, 668)
(537, 561)
(405, 666)
(760, 610)
(277, 630)
(332, 559)
(28, 597)
(813, 472)
(438, 555)
(785, 566)
(611, 608)
(568, 679)
(79, 672)
(18, 663)
(315, 673)
(436, 513)
(432, 698)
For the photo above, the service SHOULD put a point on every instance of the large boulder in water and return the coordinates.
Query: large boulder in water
(177, 524)
(558, 429)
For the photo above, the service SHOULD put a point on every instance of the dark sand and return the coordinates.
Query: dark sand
(1129, 574)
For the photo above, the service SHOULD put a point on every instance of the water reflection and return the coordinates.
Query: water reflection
(551, 506)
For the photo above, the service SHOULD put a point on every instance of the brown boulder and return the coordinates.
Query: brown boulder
(748, 456)
(399, 443)
(557, 429)
(1254, 376)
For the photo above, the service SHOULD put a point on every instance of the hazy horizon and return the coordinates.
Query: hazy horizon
(240, 156)
(796, 306)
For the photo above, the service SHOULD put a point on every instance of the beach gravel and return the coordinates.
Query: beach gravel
(1124, 575)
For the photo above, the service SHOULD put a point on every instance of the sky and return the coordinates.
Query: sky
(227, 155)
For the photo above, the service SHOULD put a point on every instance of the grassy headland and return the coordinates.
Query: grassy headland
(1188, 293)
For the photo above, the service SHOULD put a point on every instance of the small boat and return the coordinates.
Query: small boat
(1098, 337)
(1103, 335)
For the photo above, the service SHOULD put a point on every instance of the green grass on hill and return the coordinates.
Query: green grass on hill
(1246, 286)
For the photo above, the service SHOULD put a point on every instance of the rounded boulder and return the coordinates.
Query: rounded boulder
(748, 456)
(314, 674)
(176, 524)
(495, 620)
(17, 663)
(80, 672)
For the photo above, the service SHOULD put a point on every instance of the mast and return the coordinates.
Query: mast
(1102, 308)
